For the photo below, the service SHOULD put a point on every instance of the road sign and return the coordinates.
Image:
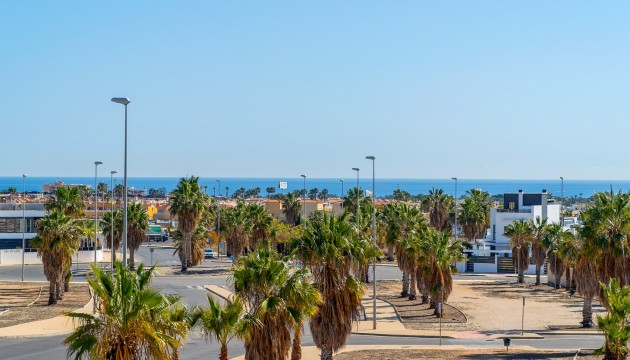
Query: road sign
(282, 185)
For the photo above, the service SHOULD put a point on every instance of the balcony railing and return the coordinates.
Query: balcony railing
(15, 207)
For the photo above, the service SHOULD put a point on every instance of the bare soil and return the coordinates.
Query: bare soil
(413, 314)
(200, 270)
(25, 302)
(485, 354)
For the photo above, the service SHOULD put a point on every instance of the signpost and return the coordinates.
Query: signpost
(283, 185)
(152, 250)
(439, 310)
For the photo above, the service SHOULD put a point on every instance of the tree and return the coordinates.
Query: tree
(401, 195)
(538, 231)
(157, 193)
(116, 229)
(102, 188)
(312, 194)
(275, 293)
(137, 226)
(323, 194)
(291, 207)
(616, 323)
(10, 190)
(238, 229)
(134, 321)
(474, 215)
(554, 241)
(440, 205)
(188, 202)
(519, 233)
(271, 190)
(68, 200)
(221, 322)
(325, 248)
(261, 223)
(58, 237)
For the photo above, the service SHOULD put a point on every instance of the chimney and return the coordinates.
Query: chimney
(544, 200)
(520, 198)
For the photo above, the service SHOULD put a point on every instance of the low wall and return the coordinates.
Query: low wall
(485, 268)
(14, 256)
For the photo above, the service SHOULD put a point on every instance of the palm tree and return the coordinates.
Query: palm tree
(440, 205)
(519, 233)
(326, 248)
(475, 214)
(221, 322)
(135, 320)
(116, 229)
(68, 200)
(554, 242)
(261, 223)
(291, 208)
(238, 229)
(188, 202)
(58, 237)
(273, 292)
(137, 226)
(199, 238)
(616, 324)
(538, 230)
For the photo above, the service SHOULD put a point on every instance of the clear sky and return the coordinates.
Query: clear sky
(433, 89)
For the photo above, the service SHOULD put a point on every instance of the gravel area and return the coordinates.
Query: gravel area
(489, 354)
(26, 302)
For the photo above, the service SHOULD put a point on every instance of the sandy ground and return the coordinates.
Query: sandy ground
(485, 354)
(175, 270)
(16, 299)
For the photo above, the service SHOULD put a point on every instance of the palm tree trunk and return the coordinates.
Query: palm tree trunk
(66, 281)
(367, 273)
(405, 285)
(52, 293)
(59, 290)
(132, 258)
(327, 353)
(412, 285)
(224, 352)
(537, 274)
(573, 284)
(587, 313)
(390, 253)
(521, 276)
(568, 273)
(558, 277)
(296, 348)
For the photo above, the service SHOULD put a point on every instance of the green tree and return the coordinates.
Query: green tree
(271, 190)
(616, 323)
(137, 226)
(554, 241)
(116, 229)
(519, 233)
(278, 295)
(401, 195)
(474, 215)
(188, 202)
(135, 320)
(440, 205)
(538, 231)
(238, 229)
(291, 208)
(312, 194)
(68, 200)
(261, 223)
(326, 248)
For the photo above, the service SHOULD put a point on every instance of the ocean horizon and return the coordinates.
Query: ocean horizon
(384, 187)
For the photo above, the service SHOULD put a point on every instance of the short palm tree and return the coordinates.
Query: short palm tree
(554, 242)
(616, 323)
(188, 202)
(199, 242)
(326, 248)
(137, 226)
(273, 293)
(116, 229)
(291, 208)
(68, 200)
(474, 214)
(538, 230)
(440, 205)
(238, 229)
(58, 238)
(221, 322)
(520, 237)
(261, 223)
(135, 320)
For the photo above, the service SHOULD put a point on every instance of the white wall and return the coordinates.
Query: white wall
(485, 268)
(14, 256)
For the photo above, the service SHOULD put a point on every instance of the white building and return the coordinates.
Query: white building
(12, 224)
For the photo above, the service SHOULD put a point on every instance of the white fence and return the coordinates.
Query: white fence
(14, 256)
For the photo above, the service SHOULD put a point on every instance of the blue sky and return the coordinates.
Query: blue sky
(474, 89)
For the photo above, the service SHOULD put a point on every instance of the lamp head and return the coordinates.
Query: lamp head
(341, 180)
(304, 176)
(122, 101)
(355, 169)
(113, 172)
(561, 178)
(370, 157)
(454, 178)
(24, 175)
(97, 163)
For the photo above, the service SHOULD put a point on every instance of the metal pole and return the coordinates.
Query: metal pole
(341, 192)
(111, 226)
(373, 240)
(455, 207)
(561, 200)
(219, 225)
(523, 318)
(23, 221)
(96, 164)
(124, 239)
(358, 197)
(304, 202)
(440, 317)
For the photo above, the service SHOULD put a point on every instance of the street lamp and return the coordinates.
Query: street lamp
(111, 225)
(96, 164)
(358, 195)
(219, 224)
(124, 101)
(561, 199)
(373, 242)
(304, 202)
(341, 197)
(23, 221)
(455, 206)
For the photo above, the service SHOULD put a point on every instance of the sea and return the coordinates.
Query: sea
(383, 187)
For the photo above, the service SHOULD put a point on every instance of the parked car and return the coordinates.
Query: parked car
(208, 254)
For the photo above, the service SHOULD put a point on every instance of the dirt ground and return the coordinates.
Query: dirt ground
(175, 270)
(26, 302)
(489, 354)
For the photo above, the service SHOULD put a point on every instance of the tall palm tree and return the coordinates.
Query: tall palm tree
(68, 200)
(440, 205)
(116, 229)
(554, 242)
(538, 230)
(135, 321)
(520, 238)
(188, 202)
(221, 322)
(326, 248)
(291, 208)
(474, 214)
(238, 229)
(58, 237)
(616, 324)
(261, 223)
(272, 291)
(137, 226)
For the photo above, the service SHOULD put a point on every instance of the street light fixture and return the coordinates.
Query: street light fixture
(358, 196)
(125, 102)
(96, 164)
(111, 225)
(304, 202)
(454, 178)
(23, 221)
(373, 242)
(219, 224)
(341, 197)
